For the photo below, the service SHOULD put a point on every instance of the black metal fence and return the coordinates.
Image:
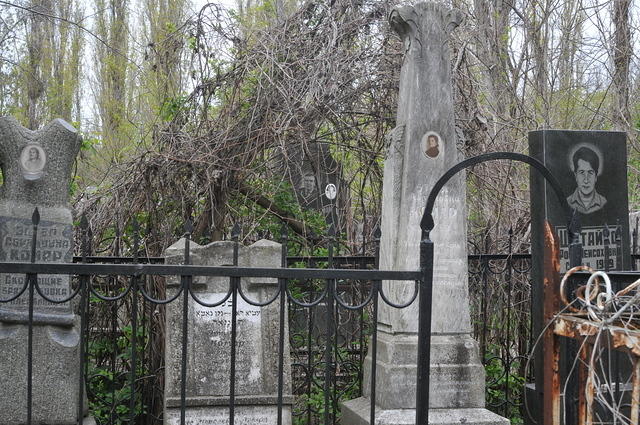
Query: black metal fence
(332, 306)
(120, 300)
(500, 290)
(353, 329)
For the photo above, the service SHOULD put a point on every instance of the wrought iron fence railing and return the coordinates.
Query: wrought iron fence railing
(121, 304)
(122, 388)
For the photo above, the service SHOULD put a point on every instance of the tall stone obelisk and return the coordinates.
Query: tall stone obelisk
(36, 170)
(422, 147)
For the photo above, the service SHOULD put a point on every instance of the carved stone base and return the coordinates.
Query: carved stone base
(456, 378)
(219, 415)
(55, 375)
(456, 383)
(357, 412)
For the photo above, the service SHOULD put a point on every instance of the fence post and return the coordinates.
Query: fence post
(185, 286)
(84, 303)
(424, 330)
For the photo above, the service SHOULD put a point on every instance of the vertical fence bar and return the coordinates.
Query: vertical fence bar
(32, 279)
(87, 285)
(186, 288)
(235, 234)
(335, 314)
(374, 331)
(361, 338)
(84, 225)
(114, 331)
(134, 324)
(374, 353)
(507, 362)
(310, 350)
(606, 233)
(328, 350)
(282, 287)
(484, 263)
(634, 244)
(144, 323)
(114, 356)
(424, 330)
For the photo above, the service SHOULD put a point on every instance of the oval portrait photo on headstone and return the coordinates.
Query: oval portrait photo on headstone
(586, 163)
(330, 191)
(32, 160)
(431, 144)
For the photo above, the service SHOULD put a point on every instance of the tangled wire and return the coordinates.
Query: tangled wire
(612, 323)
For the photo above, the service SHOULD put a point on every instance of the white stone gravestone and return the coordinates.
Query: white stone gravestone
(422, 147)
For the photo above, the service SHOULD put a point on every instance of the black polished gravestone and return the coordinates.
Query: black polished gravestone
(591, 167)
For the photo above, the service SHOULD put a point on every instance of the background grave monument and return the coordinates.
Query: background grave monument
(209, 341)
(36, 168)
(591, 166)
(414, 162)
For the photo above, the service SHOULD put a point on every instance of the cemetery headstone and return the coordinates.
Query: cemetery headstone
(591, 166)
(36, 170)
(421, 148)
(310, 168)
(209, 341)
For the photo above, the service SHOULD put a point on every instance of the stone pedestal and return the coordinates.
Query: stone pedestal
(55, 374)
(36, 166)
(422, 147)
(209, 342)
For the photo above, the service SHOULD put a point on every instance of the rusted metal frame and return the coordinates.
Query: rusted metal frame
(576, 327)
(551, 346)
(618, 338)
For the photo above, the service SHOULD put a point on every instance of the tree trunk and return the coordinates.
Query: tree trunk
(621, 117)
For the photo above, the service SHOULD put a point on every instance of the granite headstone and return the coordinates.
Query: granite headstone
(209, 341)
(36, 169)
(591, 167)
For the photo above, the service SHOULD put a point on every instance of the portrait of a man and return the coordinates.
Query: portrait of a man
(308, 184)
(431, 144)
(586, 169)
